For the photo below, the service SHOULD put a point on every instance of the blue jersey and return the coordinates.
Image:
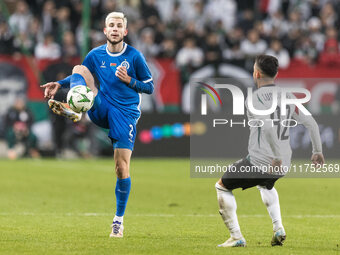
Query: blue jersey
(103, 64)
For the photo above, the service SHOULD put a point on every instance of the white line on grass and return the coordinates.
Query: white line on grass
(96, 214)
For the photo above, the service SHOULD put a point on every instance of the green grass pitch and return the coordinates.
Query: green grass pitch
(66, 207)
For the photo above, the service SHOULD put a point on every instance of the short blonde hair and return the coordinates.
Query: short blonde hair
(116, 15)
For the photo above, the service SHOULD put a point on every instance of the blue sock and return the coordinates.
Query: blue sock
(77, 79)
(123, 187)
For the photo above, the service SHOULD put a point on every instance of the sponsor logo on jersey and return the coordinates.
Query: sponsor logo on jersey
(103, 65)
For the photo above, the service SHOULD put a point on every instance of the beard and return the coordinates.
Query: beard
(113, 42)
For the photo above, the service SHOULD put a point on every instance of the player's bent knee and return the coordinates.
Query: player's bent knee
(84, 71)
(81, 69)
(86, 74)
(122, 169)
(78, 69)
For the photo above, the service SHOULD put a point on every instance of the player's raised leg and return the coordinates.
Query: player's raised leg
(227, 208)
(122, 191)
(271, 200)
(80, 76)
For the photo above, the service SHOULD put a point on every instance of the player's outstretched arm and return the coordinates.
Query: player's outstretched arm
(51, 89)
(309, 122)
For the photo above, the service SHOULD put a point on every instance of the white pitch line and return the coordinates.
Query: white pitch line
(96, 214)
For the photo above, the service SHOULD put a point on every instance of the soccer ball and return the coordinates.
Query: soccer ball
(80, 98)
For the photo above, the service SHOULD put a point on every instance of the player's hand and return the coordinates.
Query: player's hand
(276, 166)
(318, 159)
(51, 89)
(122, 74)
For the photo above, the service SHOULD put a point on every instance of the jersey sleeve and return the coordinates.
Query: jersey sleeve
(143, 82)
(65, 83)
(309, 122)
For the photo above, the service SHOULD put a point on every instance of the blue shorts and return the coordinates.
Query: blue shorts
(122, 128)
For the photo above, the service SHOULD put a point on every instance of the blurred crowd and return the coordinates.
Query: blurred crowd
(22, 137)
(194, 32)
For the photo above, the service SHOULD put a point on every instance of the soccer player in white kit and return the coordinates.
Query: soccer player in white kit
(268, 147)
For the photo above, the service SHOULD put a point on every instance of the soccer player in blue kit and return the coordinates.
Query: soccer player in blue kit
(123, 75)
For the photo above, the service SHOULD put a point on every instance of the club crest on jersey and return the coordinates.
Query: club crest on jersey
(126, 64)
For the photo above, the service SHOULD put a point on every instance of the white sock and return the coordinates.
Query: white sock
(118, 218)
(227, 205)
(271, 200)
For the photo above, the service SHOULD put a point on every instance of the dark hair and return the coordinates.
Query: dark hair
(267, 64)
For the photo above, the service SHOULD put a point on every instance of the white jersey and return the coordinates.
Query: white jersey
(269, 134)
